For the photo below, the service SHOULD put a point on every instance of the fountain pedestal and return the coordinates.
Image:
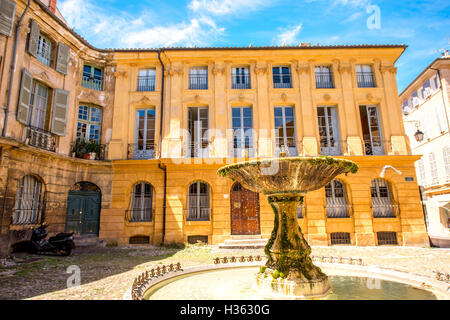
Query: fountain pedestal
(289, 270)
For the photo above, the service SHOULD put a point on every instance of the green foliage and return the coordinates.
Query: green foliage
(262, 269)
(276, 274)
(83, 147)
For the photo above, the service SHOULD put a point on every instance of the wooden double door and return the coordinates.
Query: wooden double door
(83, 212)
(245, 218)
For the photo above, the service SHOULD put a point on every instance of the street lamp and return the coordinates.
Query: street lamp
(419, 135)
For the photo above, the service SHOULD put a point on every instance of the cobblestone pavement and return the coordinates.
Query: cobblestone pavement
(106, 273)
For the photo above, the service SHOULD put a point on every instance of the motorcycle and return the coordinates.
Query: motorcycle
(61, 244)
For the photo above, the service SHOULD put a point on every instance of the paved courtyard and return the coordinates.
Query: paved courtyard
(107, 273)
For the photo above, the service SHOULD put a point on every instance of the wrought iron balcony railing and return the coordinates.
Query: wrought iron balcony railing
(332, 149)
(324, 80)
(92, 83)
(336, 210)
(146, 83)
(139, 215)
(198, 82)
(375, 148)
(385, 210)
(365, 79)
(41, 139)
(198, 214)
(240, 81)
(196, 150)
(141, 151)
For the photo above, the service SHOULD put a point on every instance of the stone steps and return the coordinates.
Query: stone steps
(244, 242)
(88, 241)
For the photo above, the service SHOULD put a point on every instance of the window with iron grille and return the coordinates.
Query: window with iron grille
(198, 202)
(382, 206)
(198, 78)
(197, 239)
(141, 203)
(140, 240)
(281, 77)
(92, 77)
(365, 76)
(387, 238)
(240, 78)
(340, 238)
(324, 77)
(29, 204)
(336, 200)
(89, 126)
(146, 80)
(44, 50)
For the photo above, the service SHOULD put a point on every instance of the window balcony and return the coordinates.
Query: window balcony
(146, 83)
(198, 82)
(365, 79)
(324, 80)
(139, 215)
(93, 83)
(41, 139)
(385, 210)
(336, 210)
(374, 148)
(240, 81)
(141, 151)
(326, 148)
(196, 150)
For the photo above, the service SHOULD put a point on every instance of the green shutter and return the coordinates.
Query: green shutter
(59, 117)
(7, 15)
(23, 108)
(34, 38)
(62, 63)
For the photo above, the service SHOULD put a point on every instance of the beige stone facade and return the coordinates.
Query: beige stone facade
(130, 97)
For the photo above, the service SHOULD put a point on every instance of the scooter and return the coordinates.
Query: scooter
(61, 244)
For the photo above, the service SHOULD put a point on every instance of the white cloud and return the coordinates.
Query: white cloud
(288, 36)
(119, 29)
(226, 7)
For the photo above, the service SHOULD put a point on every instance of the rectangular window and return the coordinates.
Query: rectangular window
(198, 124)
(328, 131)
(281, 77)
(340, 238)
(146, 80)
(39, 104)
(365, 76)
(421, 172)
(324, 77)
(92, 77)
(240, 78)
(198, 78)
(387, 238)
(286, 141)
(242, 121)
(44, 50)
(446, 155)
(371, 130)
(144, 141)
(89, 124)
(433, 169)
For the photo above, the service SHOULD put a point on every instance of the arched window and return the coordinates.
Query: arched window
(382, 206)
(29, 204)
(336, 200)
(198, 201)
(141, 202)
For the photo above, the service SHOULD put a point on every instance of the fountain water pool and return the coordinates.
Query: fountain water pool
(240, 284)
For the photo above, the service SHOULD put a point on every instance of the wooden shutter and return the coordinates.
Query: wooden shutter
(23, 109)
(34, 38)
(62, 63)
(59, 117)
(7, 15)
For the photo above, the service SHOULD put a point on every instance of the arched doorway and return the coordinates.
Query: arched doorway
(244, 211)
(83, 209)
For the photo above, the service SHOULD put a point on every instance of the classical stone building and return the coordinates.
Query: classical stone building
(125, 144)
(426, 107)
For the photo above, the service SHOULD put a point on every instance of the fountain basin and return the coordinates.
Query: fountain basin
(237, 283)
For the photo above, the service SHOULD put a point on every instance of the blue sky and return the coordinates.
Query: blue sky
(423, 25)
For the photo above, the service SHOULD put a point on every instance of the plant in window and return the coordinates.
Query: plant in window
(86, 150)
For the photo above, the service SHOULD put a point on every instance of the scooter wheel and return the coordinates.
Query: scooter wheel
(66, 252)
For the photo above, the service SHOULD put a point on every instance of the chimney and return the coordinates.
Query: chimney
(52, 6)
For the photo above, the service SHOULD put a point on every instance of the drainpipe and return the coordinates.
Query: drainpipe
(13, 68)
(162, 166)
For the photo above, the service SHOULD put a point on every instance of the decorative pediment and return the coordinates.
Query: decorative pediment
(284, 97)
(241, 98)
(369, 97)
(261, 70)
(42, 76)
(326, 97)
(143, 101)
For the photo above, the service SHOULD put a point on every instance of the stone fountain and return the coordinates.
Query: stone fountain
(285, 181)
